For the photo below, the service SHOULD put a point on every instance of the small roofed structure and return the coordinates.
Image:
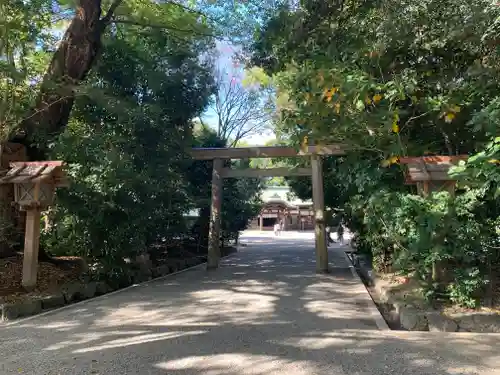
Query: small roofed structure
(34, 190)
(35, 182)
(430, 173)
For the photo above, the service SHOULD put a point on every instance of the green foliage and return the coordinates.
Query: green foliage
(236, 20)
(23, 26)
(130, 122)
(370, 76)
(380, 87)
(241, 203)
(413, 234)
(482, 170)
(466, 286)
(125, 150)
(240, 196)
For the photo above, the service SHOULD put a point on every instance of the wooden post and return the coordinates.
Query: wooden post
(214, 234)
(319, 215)
(31, 245)
(261, 223)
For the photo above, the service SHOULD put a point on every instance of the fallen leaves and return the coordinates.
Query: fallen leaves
(50, 278)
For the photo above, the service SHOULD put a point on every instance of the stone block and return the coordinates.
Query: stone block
(89, 290)
(138, 278)
(21, 309)
(147, 273)
(398, 305)
(156, 272)
(30, 307)
(384, 294)
(53, 301)
(173, 267)
(193, 262)
(102, 288)
(73, 292)
(163, 270)
(487, 322)
(440, 323)
(479, 322)
(412, 319)
(9, 311)
(143, 261)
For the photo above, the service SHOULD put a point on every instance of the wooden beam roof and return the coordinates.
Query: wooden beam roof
(35, 171)
(264, 152)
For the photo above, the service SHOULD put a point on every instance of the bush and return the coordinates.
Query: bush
(448, 243)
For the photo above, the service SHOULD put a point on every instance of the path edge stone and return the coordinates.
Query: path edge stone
(372, 307)
(412, 318)
(77, 293)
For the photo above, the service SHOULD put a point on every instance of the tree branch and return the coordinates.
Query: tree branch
(111, 11)
(164, 27)
(187, 9)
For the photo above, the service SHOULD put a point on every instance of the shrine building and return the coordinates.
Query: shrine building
(279, 204)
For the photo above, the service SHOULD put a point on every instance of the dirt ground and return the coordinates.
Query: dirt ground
(50, 278)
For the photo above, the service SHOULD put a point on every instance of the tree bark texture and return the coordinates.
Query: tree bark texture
(72, 61)
(69, 66)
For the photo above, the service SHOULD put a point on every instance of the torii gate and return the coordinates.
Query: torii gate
(315, 171)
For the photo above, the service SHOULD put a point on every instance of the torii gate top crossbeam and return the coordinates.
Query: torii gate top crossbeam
(264, 152)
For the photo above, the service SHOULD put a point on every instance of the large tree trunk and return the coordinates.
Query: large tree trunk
(70, 64)
(72, 61)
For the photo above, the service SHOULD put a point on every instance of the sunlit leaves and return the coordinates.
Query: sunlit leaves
(482, 168)
(449, 117)
(337, 108)
(328, 94)
(390, 161)
(175, 18)
(429, 77)
(395, 122)
(256, 76)
(377, 98)
(23, 30)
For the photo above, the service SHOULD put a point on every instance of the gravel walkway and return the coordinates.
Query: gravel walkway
(264, 312)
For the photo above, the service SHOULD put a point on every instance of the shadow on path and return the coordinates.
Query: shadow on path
(263, 312)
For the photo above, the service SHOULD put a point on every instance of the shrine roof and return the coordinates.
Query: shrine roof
(35, 171)
(280, 194)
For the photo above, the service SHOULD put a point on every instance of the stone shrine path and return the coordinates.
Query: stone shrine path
(264, 312)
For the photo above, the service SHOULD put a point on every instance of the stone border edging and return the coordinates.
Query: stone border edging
(78, 293)
(372, 308)
(412, 318)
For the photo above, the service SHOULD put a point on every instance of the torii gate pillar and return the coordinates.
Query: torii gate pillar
(319, 214)
(214, 254)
